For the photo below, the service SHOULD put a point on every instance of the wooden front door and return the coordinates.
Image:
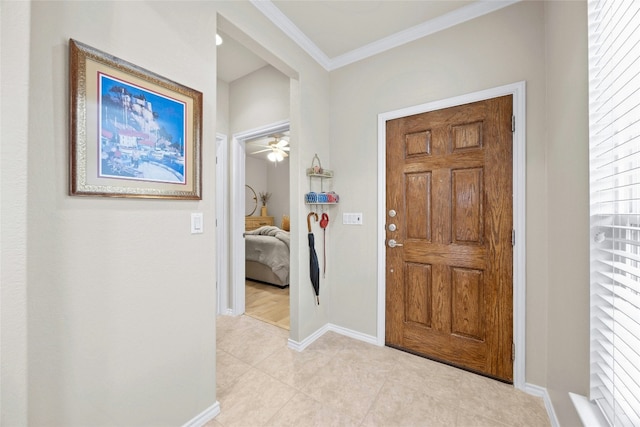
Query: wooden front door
(449, 282)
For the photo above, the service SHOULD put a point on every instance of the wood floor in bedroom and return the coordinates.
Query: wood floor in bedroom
(267, 303)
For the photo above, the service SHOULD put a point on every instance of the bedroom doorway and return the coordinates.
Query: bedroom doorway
(263, 298)
(256, 92)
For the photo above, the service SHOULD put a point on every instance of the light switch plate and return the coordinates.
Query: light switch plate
(197, 225)
(352, 218)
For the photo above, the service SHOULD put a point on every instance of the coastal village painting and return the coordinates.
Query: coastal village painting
(142, 133)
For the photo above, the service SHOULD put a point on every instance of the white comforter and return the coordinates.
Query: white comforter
(269, 245)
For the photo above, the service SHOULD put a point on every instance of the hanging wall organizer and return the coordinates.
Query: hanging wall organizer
(317, 174)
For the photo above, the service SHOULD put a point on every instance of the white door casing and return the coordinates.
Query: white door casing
(222, 235)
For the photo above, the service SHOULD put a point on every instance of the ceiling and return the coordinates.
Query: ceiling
(339, 32)
(338, 27)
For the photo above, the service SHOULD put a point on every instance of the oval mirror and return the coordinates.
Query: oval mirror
(250, 201)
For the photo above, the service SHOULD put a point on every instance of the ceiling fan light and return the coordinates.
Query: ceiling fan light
(272, 156)
(218, 40)
(279, 157)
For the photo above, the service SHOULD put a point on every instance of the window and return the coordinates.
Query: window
(614, 151)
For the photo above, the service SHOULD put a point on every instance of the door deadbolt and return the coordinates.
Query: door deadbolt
(392, 213)
(392, 227)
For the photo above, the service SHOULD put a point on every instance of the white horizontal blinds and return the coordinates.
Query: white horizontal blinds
(614, 133)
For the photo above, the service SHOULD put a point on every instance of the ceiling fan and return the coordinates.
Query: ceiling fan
(278, 148)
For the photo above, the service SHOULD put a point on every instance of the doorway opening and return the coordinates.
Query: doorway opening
(238, 209)
(245, 101)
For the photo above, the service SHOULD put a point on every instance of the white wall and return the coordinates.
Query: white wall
(121, 295)
(222, 110)
(268, 177)
(278, 181)
(567, 208)
(258, 99)
(14, 42)
(256, 178)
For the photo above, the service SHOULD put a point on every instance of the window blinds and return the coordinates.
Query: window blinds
(614, 152)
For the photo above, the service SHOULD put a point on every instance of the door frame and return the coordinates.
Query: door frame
(518, 90)
(222, 234)
(237, 225)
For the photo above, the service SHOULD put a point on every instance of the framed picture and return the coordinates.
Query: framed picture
(133, 133)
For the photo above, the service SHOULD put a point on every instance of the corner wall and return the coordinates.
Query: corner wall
(14, 89)
(567, 145)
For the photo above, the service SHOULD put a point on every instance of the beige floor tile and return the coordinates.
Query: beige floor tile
(339, 381)
(382, 360)
(252, 345)
(252, 400)
(303, 411)
(267, 327)
(293, 367)
(466, 419)
(397, 405)
(228, 368)
(348, 388)
(228, 327)
(224, 323)
(433, 378)
(213, 423)
(501, 402)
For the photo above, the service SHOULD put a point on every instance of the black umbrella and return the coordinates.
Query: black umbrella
(314, 268)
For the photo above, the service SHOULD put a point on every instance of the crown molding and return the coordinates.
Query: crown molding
(416, 32)
(292, 31)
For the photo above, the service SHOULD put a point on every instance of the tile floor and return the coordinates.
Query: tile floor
(339, 381)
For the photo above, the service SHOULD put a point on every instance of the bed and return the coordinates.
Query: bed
(267, 255)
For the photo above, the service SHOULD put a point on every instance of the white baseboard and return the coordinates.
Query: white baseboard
(353, 334)
(538, 391)
(299, 346)
(205, 416)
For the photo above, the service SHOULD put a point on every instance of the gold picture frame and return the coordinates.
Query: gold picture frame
(133, 133)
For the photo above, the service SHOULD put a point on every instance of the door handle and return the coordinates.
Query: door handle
(392, 243)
